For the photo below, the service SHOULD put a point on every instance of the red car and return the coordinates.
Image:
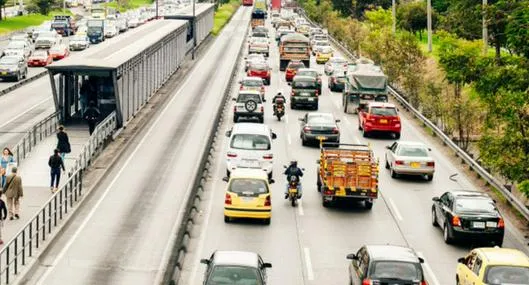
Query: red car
(40, 58)
(260, 69)
(379, 117)
(247, 2)
(59, 51)
(292, 68)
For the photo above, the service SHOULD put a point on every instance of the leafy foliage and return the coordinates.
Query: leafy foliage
(517, 32)
(412, 17)
(44, 6)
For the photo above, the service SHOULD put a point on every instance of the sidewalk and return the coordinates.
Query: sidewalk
(35, 174)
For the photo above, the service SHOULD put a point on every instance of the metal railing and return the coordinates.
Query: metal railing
(26, 244)
(465, 157)
(36, 134)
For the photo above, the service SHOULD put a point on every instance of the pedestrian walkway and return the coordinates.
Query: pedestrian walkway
(35, 174)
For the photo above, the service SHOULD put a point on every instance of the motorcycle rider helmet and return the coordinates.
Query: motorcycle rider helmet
(294, 163)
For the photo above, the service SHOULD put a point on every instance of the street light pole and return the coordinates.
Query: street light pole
(63, 6)
(394, 16)
(156, 9)
(194, 33)
(484, 27)
(429, 13)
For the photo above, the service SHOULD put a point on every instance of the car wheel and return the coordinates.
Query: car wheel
(498, 242)
(292, 106)
(393, 173)
(18, 77)
(434, 218)
(368, 204)
(227, 219)
(364, 133)
(270, 175)
(267, 221)
(26, 74)
(316, 107)
(235, 119)
(359, 125)
(387, 164)
(318, 183)
(429, 177)
(397, 136)
(261, 120)
(228, 173)
(303, 142)
(446, 235)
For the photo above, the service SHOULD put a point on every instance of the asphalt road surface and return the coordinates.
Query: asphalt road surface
(123, 234)
(308, 244)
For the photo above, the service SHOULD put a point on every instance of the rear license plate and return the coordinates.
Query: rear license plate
(250, 163)
(383, 121)
(311, 99)
(247, 199)
(478, 225)
(321, 138)
(492, 225)
(415, 164)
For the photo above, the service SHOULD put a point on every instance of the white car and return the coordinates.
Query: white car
(133, 22)
(79, 42)
(253, 57)
(335, 62)
(318, 44)
(248, 104)
(110, 31)
(17, 46)
(409, 158)
(250, 146)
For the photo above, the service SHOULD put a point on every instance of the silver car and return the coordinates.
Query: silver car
(248, 104)
(409, 158)
(79, 42)
(253, 57)
(334, 63)
(13, 67)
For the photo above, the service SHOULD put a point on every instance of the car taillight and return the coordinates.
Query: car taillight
(262, 89)
(268, 201)
(234, 108)
(430, 164)
(424, 283)
(335, 130)
(227, 199)
(232, 154)
(319, 80)
(240, 88)
(333, 79)
(327, 192)
(262, 109)
(399, 162)
(456, 221)
(306, 130)
(268, 156)
(501, 223)
(367, 282)
(317, 93)
(292, 93)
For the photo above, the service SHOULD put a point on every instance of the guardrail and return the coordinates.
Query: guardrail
(26, 244)
(474, 165)
(36, 134)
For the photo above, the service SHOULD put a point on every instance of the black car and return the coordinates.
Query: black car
(304, 92)
(386, 264)
(337, 81)
(235, 267)
(313, 73)
(316, 126)
(468, 215)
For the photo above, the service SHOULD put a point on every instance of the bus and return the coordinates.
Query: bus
(98, 12)
(247, 2)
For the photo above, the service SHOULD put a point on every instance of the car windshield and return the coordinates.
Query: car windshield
(8, 60)
(310, 73)
(321, 43)
(338, 61)
(320, 119)
(245, 97)
(384, 111)
(396, 269)
(414, 151)
(234, 275)
(497, 275)
(252, 83)
(250, 142)
(259, 40)
(304, 84)
(472, 205)
(259, 35)
(248, 187)
(78, 39)
(258, 66)
(40, 53)
(325, 49)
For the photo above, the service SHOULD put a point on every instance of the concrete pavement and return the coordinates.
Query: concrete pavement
(35, 174)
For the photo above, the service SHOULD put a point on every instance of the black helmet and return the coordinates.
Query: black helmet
(294, 163)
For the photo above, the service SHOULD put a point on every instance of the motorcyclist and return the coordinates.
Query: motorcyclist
(279, 95)
(293, 170)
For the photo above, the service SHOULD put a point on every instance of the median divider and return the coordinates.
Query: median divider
(465, 157)
(23, 82)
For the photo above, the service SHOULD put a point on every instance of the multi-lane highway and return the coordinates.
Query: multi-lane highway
(123, 233)
(308, 244)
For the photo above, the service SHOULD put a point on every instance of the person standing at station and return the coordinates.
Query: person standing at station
(3, 217)
(63, 142)
(91, 115)
(5, 161)
(55, 163)
(13, 191)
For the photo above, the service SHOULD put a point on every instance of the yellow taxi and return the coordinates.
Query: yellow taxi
(248, 195)
(323, 54)
(493, 265)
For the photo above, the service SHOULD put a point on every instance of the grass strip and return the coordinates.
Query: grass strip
(129, 5)
(223, 15)
(12, 24)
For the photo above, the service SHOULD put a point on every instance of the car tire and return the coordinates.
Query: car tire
(446, 235)
(26, 74)
(261, 120)
(227, 219)
(387, 164)
(235, 119)
(315, 107)
(397, 136)
(434, 218)
(292, 106)
(271, 174)
(429, 177)
(359, 125)
(393, 173)
(325, 204)
(364, 133)
(498, 242)
(303, 142)
(368, 204)
(318, 183)
(267, 221)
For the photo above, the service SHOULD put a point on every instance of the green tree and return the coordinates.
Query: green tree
(359, 7)
(2, 6)
(412, 17)
(517, 30)
(497, 16)
(440, 6)
(44, 6)
(463, 18)
(378, 18)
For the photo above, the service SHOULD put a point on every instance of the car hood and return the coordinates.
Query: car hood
(8, 66)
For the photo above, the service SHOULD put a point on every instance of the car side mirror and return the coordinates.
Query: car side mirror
(240, 81)
(421, 260)
(271, 181)
(274, 136)
(301, 119)
(429, 149)
(352, 256)
(436, 199)
(461, 260)
(337, 121)
(205, 261)
(267, 265)
(289, 83)
(234, 99)
(284, 166)
(318, 161)
(228, 133)
(225, 179)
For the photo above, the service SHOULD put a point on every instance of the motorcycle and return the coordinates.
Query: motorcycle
(293, 190)
(280, 108)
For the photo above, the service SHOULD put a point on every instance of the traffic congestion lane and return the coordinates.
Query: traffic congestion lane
(142, 200)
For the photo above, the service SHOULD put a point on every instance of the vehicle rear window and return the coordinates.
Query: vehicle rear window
(252, 83)
(413, 151)
(234, 275)
(497, 275)
(473, 205)
(304, 84)
(248, 187)
(325, 49)
(243, 98)
(384, 111)
(308, 73)
(396, 269)
(259, 66)
(250, 142)
(321, 119)
(296, 65)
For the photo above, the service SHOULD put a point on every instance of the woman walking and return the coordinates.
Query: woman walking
(63, 142)
(55, 162)
(7, 158)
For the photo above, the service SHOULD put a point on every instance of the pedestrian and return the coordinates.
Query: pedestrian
(56, 163)
(5, 161)
(91, 115)
(3, 217)
(13, 191)
(83, 96)
(63, 142)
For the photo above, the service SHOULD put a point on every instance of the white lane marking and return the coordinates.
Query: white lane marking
(337, 104)
(433, 279)
(308, 264)
(288, 139)
(286, 119)
(22, 114)
(395, 209)
(74, 237)
(347, 121)
(300, 208)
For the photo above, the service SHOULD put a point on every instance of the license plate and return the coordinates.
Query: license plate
(304, 94)
(294, 191)
(321, 138)
(250, 163)
(311, 99)
(492, 225)
(383, 121)
(478, 225)
(415, 164)
(247, 199)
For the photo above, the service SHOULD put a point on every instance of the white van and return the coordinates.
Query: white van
(250, 146)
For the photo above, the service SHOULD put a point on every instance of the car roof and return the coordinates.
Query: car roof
(303, 78)
(244, 258)
(253, 92)
(319, 114)
(307, 69)
(250, 128)
(392, 252)
(249, 173)
(381, 104)
(411, 143)
(503, 256)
